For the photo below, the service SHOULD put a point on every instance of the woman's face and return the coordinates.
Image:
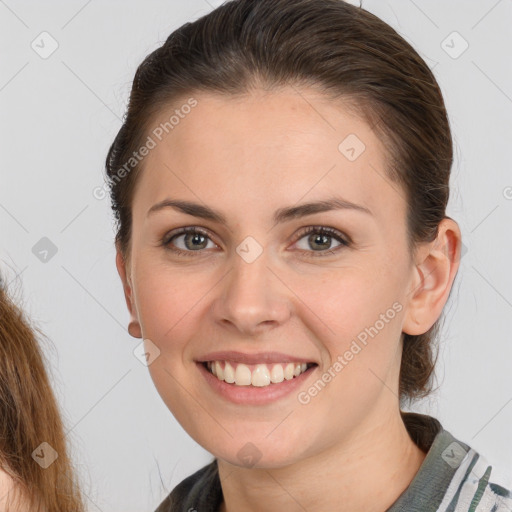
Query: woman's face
(260, 283)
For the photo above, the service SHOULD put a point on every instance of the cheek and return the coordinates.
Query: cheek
(355, 315)
(167, 302)
(348, 300)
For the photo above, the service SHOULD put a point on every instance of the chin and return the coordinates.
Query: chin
(252, 456)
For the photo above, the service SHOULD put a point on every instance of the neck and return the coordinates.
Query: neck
(367, 472)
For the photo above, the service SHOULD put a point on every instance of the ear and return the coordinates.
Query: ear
(434, 273)
(123, 269)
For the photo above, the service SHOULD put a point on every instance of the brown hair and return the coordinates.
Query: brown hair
(345, 52)
(29, 416)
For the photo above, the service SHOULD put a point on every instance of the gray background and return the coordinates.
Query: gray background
(59, 115)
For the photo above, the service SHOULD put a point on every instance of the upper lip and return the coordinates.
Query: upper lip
(259, 357)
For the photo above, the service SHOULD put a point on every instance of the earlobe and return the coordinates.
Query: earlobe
(434, 275)
(134, 328)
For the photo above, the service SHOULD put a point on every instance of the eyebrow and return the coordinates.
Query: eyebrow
(280, 216)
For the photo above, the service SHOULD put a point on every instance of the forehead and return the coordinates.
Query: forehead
(276, 146)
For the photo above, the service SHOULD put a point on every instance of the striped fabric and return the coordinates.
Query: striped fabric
(471, 491)
(452, 478)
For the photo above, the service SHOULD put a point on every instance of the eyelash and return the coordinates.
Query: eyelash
(321, 230)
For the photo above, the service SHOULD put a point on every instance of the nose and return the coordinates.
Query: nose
(253, 297)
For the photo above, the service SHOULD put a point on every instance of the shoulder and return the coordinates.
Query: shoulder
(475, 486)
(201, 491)
(7, 487)
(453, 476)
(482, 487)
(9, 491)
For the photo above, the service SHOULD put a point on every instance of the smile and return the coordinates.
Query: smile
(258, 375)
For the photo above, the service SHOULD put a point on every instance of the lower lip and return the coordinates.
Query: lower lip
(254, 395)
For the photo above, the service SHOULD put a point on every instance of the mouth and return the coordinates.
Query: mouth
(256, 375)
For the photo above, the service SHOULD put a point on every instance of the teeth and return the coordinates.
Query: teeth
(218, 371)
(242, 375)
(289, 371)
(229, 373)
(277, 374)
(260, 376)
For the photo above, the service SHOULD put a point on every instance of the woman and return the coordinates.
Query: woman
(280, 184)
(35, 470)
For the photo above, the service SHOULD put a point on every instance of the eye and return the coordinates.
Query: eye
(194, 239)
(319, 236)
